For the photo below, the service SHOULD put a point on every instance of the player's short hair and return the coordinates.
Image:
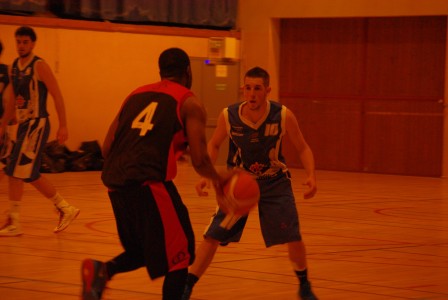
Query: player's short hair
(258, 72)
(26, 31)
(173, 62)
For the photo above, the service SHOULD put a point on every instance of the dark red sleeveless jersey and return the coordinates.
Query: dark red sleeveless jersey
(150, 136)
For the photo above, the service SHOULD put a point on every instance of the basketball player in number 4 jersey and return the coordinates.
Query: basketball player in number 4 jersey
(151, 131)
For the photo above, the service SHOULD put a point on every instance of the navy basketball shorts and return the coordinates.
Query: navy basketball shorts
(154, 228)
(277, 211)
(26, 155)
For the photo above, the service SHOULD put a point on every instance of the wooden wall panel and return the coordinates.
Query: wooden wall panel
(403, 137)
(367, 91)
(405, 60)
(321, 57)
(405, 57)
(321, 81)
(332, 128)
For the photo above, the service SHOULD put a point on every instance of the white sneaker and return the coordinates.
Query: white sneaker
(66, 215)
(11, 228)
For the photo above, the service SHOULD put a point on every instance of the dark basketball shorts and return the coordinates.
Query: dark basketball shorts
(154, 228)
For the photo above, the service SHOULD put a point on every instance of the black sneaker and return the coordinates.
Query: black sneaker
(305, 292)
(94, 278)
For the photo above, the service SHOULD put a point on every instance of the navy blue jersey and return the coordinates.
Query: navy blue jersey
(150, 136)
(256, 147)
(30, 92)
(4, 80)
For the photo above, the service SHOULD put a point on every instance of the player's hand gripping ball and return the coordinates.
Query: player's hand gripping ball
(241, 194)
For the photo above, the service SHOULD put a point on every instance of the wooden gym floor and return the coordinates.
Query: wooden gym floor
(368, 236)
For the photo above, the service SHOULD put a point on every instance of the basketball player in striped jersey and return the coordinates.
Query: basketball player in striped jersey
(150, 133)
(31, 81)
(255, 128)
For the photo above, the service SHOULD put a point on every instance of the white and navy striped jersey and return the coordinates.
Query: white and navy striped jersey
(30, 92)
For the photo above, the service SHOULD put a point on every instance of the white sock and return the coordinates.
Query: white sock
(14, 211)
(59, 201)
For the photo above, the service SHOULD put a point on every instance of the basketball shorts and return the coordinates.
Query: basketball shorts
(154, 229)
(277, 212)
(26, 155)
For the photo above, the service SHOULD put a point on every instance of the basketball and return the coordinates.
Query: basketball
(242, 193)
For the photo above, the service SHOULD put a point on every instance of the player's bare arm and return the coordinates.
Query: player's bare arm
(194, 117)
(306, 155)
(219, 134)
(217, 138)
(46, 75)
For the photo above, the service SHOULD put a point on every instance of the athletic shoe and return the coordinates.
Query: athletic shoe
(11, 228)
(66, 215)
(94, 278)
(305, 292)
(187, 293)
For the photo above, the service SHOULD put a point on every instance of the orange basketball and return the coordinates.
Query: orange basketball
(241, 193)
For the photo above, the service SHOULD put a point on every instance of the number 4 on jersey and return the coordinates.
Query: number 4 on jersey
(144, 118)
